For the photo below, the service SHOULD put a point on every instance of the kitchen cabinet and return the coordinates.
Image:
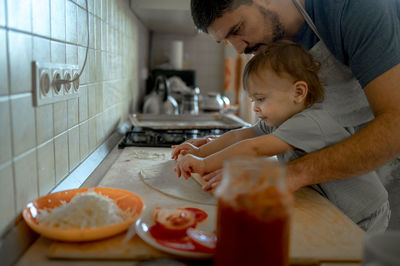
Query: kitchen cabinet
(165, 16)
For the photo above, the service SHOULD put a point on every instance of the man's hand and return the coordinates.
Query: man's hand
(189, 164)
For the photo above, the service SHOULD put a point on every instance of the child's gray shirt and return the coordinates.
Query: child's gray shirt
(312, 130)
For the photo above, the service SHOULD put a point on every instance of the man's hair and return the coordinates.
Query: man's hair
(287, 57)
(205, 12)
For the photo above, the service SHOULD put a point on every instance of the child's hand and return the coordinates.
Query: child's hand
(183, 149)
(201, 141)
(189, 164)
(213, 180)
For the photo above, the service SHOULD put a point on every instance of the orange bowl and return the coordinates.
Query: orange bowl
(127, 201)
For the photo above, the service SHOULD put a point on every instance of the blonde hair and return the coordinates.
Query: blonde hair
(285, 56)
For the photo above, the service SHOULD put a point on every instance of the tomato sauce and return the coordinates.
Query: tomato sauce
(174, 238)
(259, 236)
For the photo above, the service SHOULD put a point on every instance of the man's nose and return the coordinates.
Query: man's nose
(256, 109)
(238, 44)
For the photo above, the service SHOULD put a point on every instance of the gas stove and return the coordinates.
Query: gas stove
(150, 130)
(146, 137)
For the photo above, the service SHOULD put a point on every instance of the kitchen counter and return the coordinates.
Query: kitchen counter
(321, 234)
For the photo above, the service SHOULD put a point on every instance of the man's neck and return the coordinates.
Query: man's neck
(297, 21)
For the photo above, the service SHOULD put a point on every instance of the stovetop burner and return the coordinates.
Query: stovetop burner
(141, 137)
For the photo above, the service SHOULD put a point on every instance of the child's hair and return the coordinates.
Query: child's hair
(285, 56)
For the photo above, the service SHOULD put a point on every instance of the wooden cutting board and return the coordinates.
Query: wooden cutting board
(320, 232)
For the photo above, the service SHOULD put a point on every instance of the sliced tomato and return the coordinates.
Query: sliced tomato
(199, 214)
(183, 244)
(173, 222)
(203, 241)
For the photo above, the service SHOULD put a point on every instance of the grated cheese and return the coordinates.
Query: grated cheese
(85, 210)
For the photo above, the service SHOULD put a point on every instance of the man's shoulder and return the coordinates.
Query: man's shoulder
(330, 9)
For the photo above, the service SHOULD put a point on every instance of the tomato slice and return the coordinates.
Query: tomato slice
(203, 241)
(173, 222)
(199, 214)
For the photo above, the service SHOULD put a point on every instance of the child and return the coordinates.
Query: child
(283, 83)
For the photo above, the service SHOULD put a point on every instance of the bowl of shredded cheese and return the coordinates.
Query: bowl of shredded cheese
(83, 214)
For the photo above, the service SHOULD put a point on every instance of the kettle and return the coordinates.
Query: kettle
(159, 101)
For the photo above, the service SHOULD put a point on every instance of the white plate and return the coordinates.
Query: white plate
(143, 225)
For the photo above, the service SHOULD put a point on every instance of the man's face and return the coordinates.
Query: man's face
(248, 28)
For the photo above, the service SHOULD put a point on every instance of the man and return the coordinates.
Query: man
(358, 45)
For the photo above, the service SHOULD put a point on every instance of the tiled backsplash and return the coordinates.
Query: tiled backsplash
(39, 146)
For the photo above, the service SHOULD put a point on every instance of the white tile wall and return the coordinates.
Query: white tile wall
(73, 148)
(92, 100)
(2, 13)
(3, 63)
(44, 123)
(41, 17)
(26, 181)
(81, 58)
(57, 15)
(41, 49)
(71, 54)
(5, 136)
(7, 199)
(98, 35)
(60, 114)
(72, 112)
(58, 52)
(23, 123)
(61, 156)
(82, 33)
(70, 22)
(20, 14)
(20, 56)
(92, 133)
(83, 140)
(46, 167)
(39, 146)
(99, 128)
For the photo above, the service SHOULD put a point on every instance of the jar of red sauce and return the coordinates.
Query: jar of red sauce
(254, 210)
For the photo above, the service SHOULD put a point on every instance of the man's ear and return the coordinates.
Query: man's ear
(300, 91)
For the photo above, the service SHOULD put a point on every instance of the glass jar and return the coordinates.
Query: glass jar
(254, 210)
(190, 104)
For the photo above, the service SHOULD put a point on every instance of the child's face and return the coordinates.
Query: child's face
(275, 97)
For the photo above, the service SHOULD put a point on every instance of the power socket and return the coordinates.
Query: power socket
(45, 87)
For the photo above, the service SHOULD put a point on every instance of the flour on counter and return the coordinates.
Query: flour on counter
(148, 155)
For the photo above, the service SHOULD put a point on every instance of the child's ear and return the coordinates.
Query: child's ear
(300, 91)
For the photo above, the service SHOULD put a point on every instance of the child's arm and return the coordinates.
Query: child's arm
(226, 140)
(266, 145)
(211, 147)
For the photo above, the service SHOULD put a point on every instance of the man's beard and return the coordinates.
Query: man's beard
(278, 31)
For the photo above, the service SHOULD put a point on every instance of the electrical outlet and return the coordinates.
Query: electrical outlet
(46, 89)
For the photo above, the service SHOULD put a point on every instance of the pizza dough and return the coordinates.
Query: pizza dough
(162, 177)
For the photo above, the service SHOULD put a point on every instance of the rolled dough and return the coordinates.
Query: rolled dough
(162, 177)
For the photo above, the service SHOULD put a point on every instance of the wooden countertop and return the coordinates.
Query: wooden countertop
(321, 234)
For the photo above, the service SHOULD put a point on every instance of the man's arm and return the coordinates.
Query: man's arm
(266, 145)
(367, 150)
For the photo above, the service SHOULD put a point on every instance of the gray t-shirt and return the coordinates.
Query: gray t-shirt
(312, 130)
